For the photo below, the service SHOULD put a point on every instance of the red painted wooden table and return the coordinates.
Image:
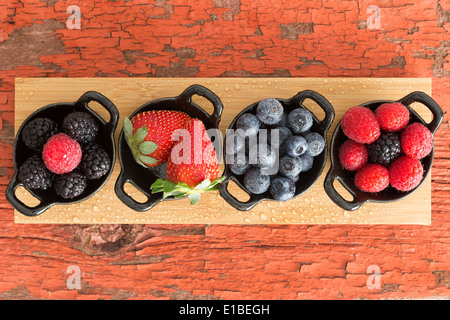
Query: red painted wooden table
(218, 38)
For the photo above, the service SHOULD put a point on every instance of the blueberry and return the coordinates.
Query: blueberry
(290, 166)
(282, 188)
(247, 125)
(234, 143)
(307, 161)
(316, 143)
(262, 156)
(256, 182)
(282, 122)
(269, 111)
(239, 164)
(299, 120)
(295, 146)
(283, 134)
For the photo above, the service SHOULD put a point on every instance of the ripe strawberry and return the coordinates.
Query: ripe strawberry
(192, 167)
(149, 135)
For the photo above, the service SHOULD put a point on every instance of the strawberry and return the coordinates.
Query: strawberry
(192, 167)
(149, 135)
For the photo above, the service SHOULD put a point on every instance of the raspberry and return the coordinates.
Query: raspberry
(361, 125)
(406, 173)
(372, 178)
(353, 155)
(386, 149)
(392, 117)
(416, 141)
(61, 154)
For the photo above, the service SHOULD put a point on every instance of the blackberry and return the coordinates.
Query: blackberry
(386, 149)
(34, 174)
(70, 185)
(81, 126)
(95, 162)
(36, 133)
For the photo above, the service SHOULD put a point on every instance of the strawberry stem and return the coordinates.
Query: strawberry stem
(181, 189)
(140, 149)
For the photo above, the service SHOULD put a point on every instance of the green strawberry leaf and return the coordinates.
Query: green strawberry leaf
(182, 189)
(138, 147)
(194, 197)
(146, 159)
(204, 184)
(140, 134)
(147, 147)
(127, 127)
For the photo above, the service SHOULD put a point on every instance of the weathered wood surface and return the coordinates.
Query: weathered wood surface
(236, 38)
(313, 207)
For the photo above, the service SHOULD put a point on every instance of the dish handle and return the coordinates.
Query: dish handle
(321, 101)
(337, 197)
(232, 200)
(106, 103)
(119, 189)
(197, 89)
(426, 100)
(19, 205)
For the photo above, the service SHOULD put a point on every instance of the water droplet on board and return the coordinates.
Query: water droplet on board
(237, 86)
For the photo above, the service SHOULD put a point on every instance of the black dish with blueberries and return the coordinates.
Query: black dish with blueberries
(276, 149)
(63, 153)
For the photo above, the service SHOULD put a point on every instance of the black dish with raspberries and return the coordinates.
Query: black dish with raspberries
(390, 168)
(275, 149)
(63, 153)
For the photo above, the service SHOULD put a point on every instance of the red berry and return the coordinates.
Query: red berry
(353, 155)
(392, 117)
(406, 173)
(372, 178)
(361, 125)
(416, 141)
(61, 153)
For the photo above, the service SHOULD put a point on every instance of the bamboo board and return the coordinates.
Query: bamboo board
(313, 207)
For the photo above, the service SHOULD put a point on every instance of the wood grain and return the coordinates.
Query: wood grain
(314, 207)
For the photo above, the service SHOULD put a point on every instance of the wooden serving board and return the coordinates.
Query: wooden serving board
(313, 207)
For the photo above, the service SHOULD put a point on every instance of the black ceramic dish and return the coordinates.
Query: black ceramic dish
(142, 178)
(307, 178)
(337, 172)
(56, 112)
